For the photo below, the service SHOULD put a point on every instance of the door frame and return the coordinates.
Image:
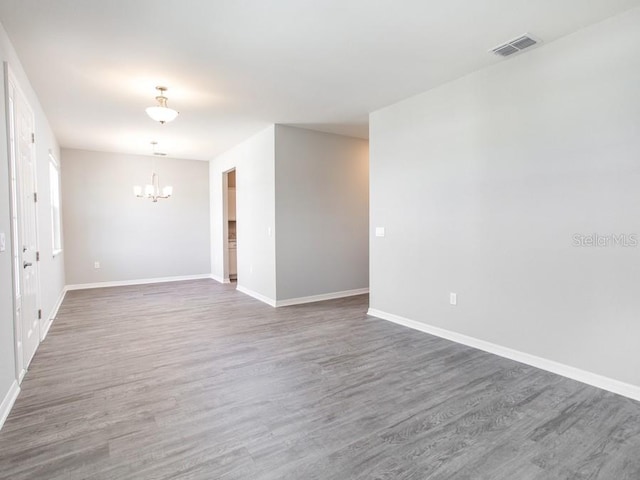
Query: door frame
(12, 86)
(225, 225)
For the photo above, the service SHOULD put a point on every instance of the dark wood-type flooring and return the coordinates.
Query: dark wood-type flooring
(194, 380)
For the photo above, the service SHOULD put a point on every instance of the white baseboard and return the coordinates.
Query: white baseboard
(300, 300)
(321, 297)
(256, 295)
(593, 379)
(7, 403)
(219, 279)
(44, 329)
(143, 281)
(54, 312)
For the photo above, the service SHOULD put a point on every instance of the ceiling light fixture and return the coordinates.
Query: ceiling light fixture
(152, 190)
(161, 113)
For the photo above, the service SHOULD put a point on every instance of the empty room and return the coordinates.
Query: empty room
(320, 240)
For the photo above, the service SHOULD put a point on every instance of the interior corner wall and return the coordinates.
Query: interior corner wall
(133, 238)
(322, 213)
(253, 160)
(52, 275)
(494, 187)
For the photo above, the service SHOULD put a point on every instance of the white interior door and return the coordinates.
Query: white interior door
(25, 235)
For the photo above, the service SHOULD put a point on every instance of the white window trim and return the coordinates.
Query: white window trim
(55, 251)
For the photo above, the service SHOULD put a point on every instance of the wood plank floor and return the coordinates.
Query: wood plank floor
(194, 380)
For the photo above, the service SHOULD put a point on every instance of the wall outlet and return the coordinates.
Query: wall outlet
(453, 298)
(96, 264)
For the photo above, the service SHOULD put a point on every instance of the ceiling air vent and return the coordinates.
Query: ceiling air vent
(515, 45)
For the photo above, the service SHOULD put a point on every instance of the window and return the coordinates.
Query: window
(54, 181)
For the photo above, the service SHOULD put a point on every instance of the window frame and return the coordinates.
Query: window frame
(56, 201)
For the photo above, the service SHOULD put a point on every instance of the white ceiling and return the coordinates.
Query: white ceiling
(233, 67)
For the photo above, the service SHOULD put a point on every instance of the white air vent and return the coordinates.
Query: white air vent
(515, 45)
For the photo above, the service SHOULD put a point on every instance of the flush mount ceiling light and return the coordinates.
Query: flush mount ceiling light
(161, 113)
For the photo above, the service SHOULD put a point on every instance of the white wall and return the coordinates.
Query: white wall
(482, 183)
(133, 238)
(253, 160)
(322, 213)
(51, 269)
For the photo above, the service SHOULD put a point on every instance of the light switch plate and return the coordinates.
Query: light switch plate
(453, 298)
(379, 231)
(3, 242)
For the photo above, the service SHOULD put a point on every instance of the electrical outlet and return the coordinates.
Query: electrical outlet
(96, 264)
(453, 298)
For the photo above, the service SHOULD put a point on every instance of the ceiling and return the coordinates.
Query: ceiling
(235, 66)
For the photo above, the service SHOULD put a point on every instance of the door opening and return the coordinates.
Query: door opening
(231, 226)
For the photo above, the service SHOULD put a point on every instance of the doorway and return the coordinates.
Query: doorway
(24, 232)
(231, 225)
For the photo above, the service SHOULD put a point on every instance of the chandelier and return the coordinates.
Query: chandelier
(153, 190)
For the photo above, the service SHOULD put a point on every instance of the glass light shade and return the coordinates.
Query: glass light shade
(137, 191)
(167, 191)
(162, 114)
(149, 190)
